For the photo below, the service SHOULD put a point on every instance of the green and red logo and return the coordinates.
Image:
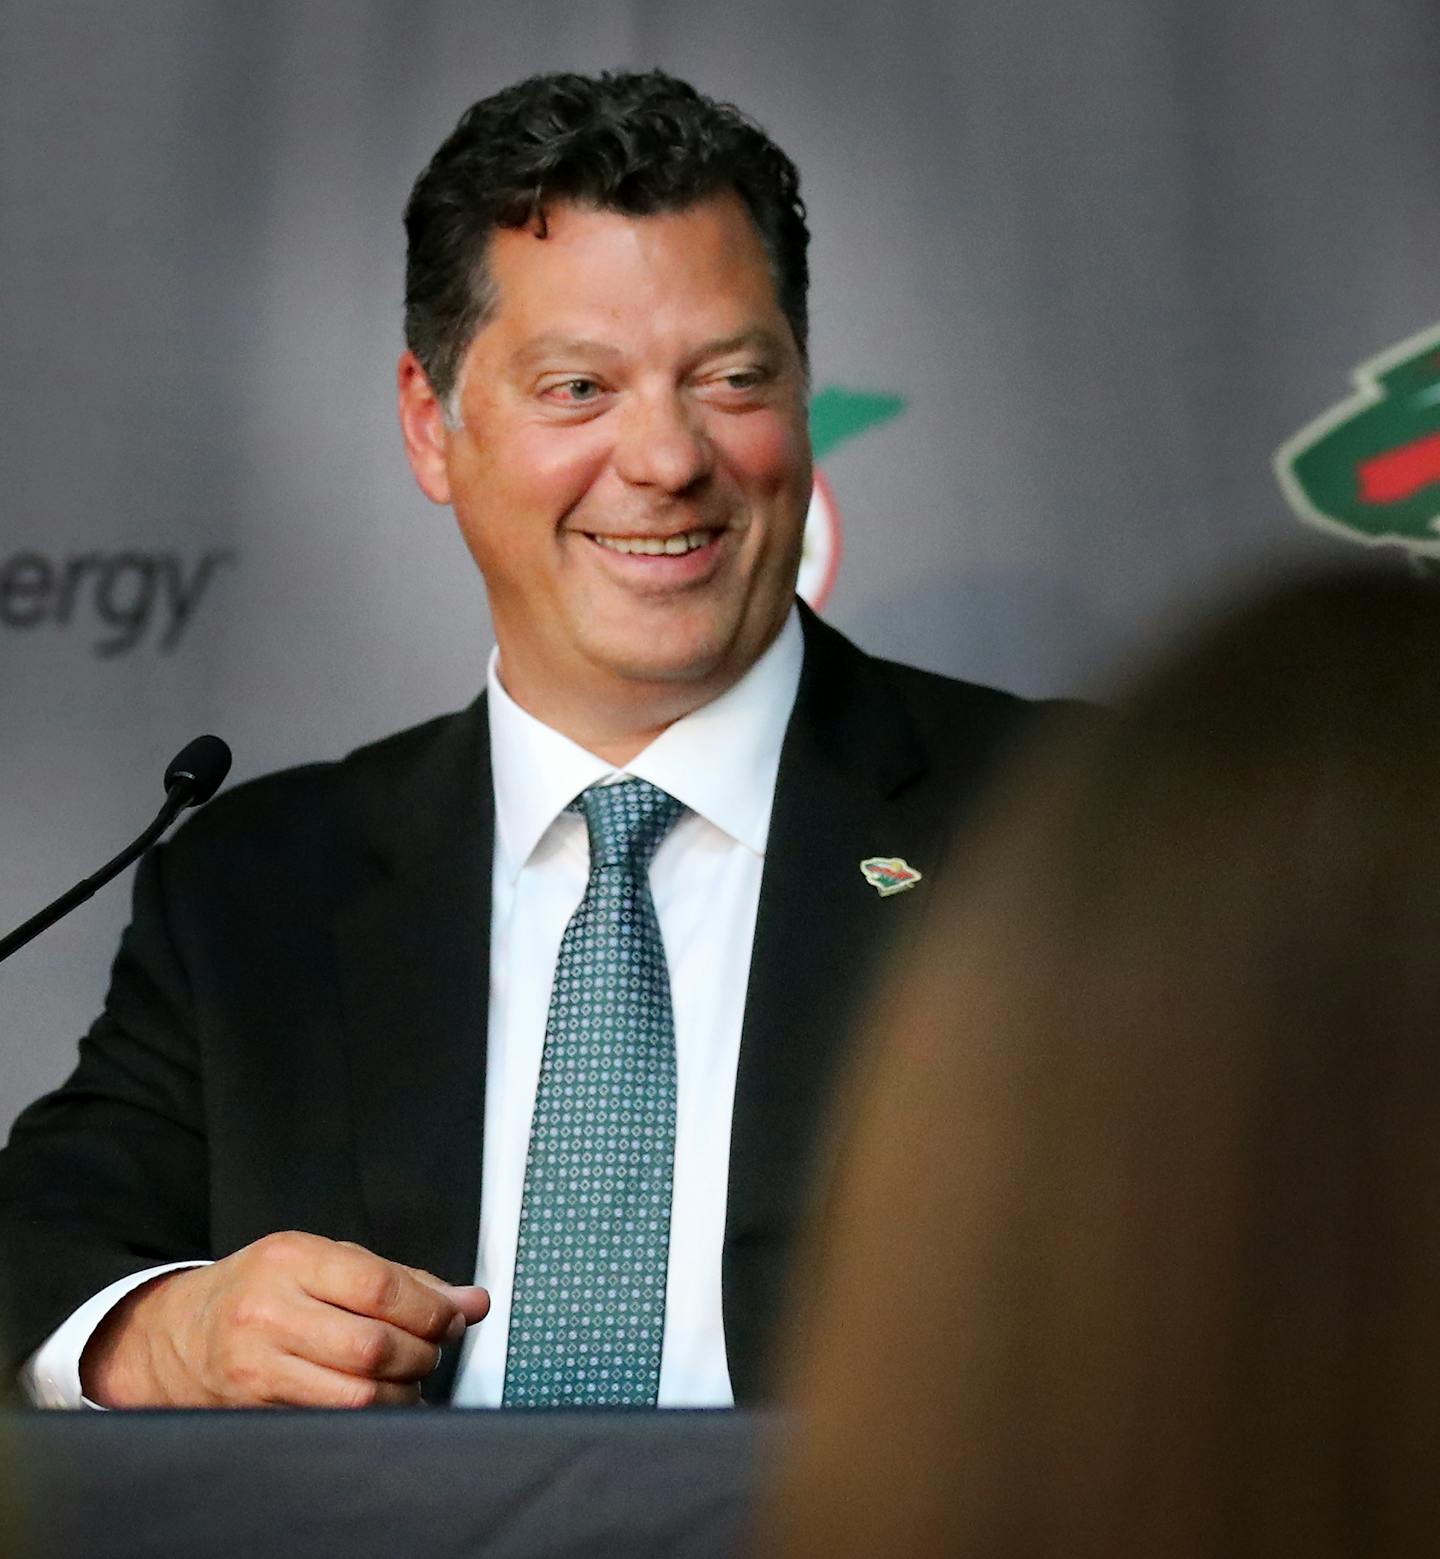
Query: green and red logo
(1369, 468)
(836, 416)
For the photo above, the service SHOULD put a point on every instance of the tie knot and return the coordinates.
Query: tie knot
(627, 821)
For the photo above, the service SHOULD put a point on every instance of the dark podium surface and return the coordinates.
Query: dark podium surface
(433, 1483)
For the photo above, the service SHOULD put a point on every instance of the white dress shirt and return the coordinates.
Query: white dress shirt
(721, 761)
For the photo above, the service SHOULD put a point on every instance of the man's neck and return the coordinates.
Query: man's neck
(617, 752)
(618, 726)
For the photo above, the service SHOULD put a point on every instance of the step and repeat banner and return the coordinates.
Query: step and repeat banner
(1115, 307)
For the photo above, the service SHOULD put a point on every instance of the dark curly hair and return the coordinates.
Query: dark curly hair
(633, 142)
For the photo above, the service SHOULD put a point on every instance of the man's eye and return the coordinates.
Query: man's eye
(576, 390)
(744, 379)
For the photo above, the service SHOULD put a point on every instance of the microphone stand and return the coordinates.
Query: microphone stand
(176, 800)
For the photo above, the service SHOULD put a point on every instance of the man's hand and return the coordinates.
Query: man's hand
(291, 1319)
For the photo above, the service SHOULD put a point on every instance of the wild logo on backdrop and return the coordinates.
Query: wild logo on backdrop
(123, 599)
(836, 416)
(1369, 468)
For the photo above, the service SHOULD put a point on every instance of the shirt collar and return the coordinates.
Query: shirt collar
(720, 760)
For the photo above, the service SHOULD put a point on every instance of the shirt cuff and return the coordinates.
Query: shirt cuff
(51, 1375)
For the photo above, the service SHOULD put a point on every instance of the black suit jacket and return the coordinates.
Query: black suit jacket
(294, 1035)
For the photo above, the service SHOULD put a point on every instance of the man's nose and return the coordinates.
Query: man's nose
(662, 443)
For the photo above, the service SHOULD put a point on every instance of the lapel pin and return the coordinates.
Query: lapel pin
(889, 874)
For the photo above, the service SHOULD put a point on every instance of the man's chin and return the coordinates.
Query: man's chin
(665, 670)
(709, 649)
(666, 661)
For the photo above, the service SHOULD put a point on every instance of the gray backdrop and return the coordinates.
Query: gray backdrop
(1110, 255)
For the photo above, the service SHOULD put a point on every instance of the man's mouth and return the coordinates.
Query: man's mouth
(657, 546)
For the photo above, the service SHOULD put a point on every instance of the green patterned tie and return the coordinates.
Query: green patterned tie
(588, 1315)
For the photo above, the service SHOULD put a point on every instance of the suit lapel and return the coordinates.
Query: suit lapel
(413, 948)
(845, 791)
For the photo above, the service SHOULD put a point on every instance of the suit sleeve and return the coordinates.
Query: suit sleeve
(108, 1175)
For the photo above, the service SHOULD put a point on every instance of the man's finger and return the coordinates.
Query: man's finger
(300, 1383)
(470, 1300)
(357, 1280)
(356, 1344)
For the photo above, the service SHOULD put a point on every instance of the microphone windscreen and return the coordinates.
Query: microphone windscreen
(201, 766)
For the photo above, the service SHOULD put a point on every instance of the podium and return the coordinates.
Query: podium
(430, 1483)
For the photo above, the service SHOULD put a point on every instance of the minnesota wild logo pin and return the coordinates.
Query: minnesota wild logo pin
(1369, 468)
(889, 874)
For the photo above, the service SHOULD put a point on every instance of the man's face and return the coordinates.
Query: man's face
(631, 468)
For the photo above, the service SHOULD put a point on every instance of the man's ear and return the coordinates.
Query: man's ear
(422, 422)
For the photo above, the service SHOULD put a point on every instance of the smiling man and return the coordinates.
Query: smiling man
(627, 457)
(547, 997)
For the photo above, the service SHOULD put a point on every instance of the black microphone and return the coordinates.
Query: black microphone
(200, 766)
(194, 775)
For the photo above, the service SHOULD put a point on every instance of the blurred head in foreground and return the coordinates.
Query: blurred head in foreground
(1135, 1246)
